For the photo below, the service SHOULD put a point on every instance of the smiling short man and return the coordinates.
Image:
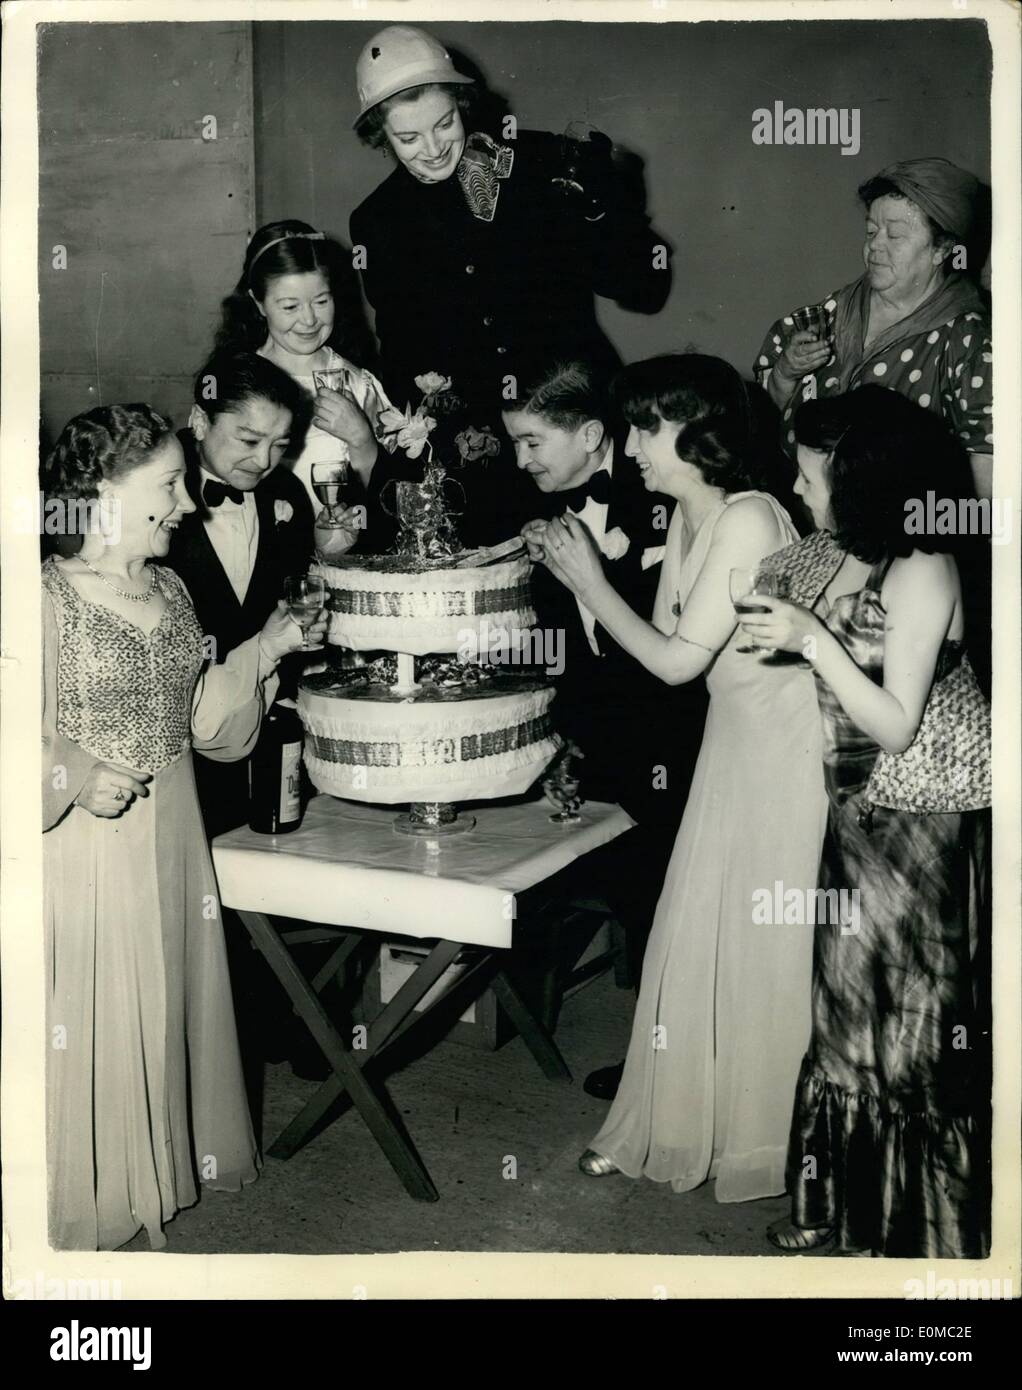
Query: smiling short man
(252, 526)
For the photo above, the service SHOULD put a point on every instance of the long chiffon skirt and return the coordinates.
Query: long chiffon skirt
(722, 1019)
(145, 1099)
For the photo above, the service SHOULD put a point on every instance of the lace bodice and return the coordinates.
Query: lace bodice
(122, 694)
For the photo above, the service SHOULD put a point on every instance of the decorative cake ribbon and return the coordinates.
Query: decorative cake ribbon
(431, 752)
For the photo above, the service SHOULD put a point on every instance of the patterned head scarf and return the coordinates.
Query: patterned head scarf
(943, 191)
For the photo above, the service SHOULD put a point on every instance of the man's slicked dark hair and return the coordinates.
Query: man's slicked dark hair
(231, 379)
(565, 393)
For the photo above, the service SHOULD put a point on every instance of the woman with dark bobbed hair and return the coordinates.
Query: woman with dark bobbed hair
(723, 1013)
(915, 322)
(890, 1137)
(486, 245)
(297, 305)
(145, 1101)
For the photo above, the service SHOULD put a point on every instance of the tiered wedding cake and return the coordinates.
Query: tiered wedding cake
(423, 724)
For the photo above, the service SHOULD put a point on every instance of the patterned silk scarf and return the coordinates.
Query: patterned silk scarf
(481, 167)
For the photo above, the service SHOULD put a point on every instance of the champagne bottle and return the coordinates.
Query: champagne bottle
(275, 772)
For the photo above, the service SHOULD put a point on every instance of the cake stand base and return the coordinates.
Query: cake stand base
(433, 818)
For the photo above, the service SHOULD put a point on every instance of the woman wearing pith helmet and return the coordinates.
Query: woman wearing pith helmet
(485, 246)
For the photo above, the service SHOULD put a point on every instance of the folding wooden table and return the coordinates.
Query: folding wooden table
(349, 872)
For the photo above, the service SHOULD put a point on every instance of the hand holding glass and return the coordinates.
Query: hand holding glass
(563, 791)
(305, 596)
(329, 483)
(813, 318)
(745, 585)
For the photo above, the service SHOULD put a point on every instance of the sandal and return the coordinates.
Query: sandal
(594, 1165)
(787, 1236)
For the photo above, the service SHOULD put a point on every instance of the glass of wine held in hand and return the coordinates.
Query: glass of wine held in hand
(305, 596)
(746, 585)
(329, 483)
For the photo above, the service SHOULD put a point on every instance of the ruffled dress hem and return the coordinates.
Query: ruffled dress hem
(902, 1183)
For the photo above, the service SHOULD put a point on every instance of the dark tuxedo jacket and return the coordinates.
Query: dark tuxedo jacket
(626, 721)
(285, 548)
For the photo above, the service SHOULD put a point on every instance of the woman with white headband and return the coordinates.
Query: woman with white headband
(296, 304)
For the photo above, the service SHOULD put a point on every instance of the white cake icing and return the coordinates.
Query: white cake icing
(373, 609)
(371, 746)
(453, 739)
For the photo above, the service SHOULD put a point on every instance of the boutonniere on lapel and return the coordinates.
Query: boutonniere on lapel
(614, 544)
(282, 511)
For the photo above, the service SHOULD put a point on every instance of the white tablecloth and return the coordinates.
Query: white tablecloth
(348, 867)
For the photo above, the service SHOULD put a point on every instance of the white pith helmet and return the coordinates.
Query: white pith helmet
(397, 58)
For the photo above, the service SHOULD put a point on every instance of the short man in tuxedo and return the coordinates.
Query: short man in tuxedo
(252, 527)
(640, 738)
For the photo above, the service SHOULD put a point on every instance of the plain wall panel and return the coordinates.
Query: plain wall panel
(154, 217)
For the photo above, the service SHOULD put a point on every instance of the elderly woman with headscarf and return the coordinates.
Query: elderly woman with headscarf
(914, 322)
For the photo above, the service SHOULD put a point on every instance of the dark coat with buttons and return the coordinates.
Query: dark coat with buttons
(458, 295)
(478, 300)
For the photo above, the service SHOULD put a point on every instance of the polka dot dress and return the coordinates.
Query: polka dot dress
(947, 368)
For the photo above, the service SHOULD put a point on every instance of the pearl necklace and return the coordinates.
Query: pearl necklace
(122, 593)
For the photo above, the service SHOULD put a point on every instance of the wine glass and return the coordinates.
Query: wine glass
(331, 379)
(305, 595)
(745, 585)
(563, 791)
(329, 483)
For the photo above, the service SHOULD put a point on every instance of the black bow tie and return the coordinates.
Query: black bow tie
(597, 487)
(213, 493)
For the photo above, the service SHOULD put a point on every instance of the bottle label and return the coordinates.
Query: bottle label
(290, 782)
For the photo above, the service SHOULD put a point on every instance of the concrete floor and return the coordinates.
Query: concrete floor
(467, 1111)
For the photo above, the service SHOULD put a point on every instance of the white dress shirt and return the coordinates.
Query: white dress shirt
(594, 517)
(233, 531)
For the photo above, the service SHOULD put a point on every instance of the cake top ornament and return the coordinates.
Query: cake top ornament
(426, 516)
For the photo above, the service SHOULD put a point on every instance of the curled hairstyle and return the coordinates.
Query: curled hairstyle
(566, 394)
(104, 443)
(230, 379)
(942, 239)
(371, 128)
(288, 248)
(708, 399)
(886, 454)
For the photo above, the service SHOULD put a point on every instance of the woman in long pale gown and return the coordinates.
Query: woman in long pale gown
(723, 1012)
(145, 1097)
